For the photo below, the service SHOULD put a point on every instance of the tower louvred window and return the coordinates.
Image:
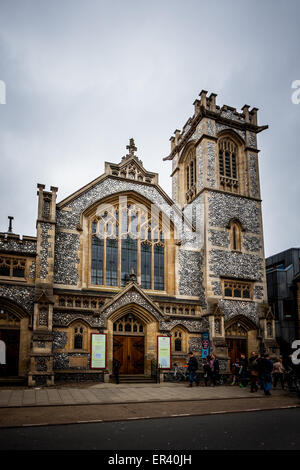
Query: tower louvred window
(190, 174)
(228, 173)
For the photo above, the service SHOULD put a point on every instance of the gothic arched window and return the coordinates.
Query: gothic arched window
(235, 230)
(128, 324)
(79, 333)
(126, 239)
(179, 340)
(228, 164)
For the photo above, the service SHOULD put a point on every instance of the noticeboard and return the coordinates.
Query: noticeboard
(164, 352)
(98, 351)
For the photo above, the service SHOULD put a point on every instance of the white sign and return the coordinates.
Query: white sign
(2, 352)
(98, 351)
(164, 352)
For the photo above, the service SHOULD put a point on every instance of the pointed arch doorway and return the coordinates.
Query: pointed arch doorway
(14, 339)
(237, 332)
(129, 344)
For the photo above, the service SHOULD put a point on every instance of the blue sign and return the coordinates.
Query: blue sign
(205, 345)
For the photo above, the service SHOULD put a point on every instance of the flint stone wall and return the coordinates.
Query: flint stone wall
(59, 339)
(224, 207)
(236, 265)
(66, 258)
(232, 308)
(45, 247)
(65, 318)
(193, 326)
(190, 273)
(22, 295)
(61, 361)
(22, 246)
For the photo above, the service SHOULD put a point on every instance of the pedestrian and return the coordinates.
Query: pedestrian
(116, 369)
(192, 368)
(206, 370)
(278, 371)
(216, 370)
(236, 372)
(243, 371)
(253, 368)
(265, 373)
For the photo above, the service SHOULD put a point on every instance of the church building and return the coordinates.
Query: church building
(122, 258)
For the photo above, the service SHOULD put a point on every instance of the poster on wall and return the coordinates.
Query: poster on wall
(205, 345)
(164, 352)
(98, 350)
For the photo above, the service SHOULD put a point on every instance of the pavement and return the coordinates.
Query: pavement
(110, 393)
(108, 402)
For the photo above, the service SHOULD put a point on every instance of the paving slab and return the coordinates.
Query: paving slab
(122, 393)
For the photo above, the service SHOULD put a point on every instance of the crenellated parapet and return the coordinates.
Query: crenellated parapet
(205, 110)
(216, 149)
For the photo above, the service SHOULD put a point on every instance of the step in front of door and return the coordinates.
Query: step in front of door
(136, 379)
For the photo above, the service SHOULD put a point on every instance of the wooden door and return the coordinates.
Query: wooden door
(129, 351)
(11, 338)
(236, 347)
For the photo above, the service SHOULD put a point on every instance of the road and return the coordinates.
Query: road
(256, 430)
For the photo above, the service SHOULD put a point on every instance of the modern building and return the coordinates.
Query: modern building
(119, 256)
(283, 282)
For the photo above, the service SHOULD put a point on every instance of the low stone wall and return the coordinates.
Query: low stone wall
(82, 376)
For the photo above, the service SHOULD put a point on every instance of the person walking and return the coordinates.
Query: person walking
(265, 373)
(206, 370)
(216, 370)
(236, 372)
(212, 370)
(253, 368)
(243, 371)
(192, 368)
(278, 373)
(116, 369)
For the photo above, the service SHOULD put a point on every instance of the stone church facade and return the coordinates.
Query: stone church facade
(120, 257)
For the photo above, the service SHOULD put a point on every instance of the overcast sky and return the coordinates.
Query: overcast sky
(82, 77)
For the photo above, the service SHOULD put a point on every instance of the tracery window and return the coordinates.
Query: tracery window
(190, 174)
(126, 239)
(178, 340)
(12, 267)
(228, 172)
(79, 336)
(128, 324)
(237, 289)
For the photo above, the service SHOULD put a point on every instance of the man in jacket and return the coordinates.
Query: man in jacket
(192, 367)
(265, 367)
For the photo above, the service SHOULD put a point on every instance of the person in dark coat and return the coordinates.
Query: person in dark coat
(215, 376)
(265, 368)
(192, 368)
(116, 369)
(253, 368)
(206, 370)
(243, 371)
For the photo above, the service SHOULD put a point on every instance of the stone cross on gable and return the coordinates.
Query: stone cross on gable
(132, 148)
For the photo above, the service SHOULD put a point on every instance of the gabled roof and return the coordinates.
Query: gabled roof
(130, 168)
(125, 297)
